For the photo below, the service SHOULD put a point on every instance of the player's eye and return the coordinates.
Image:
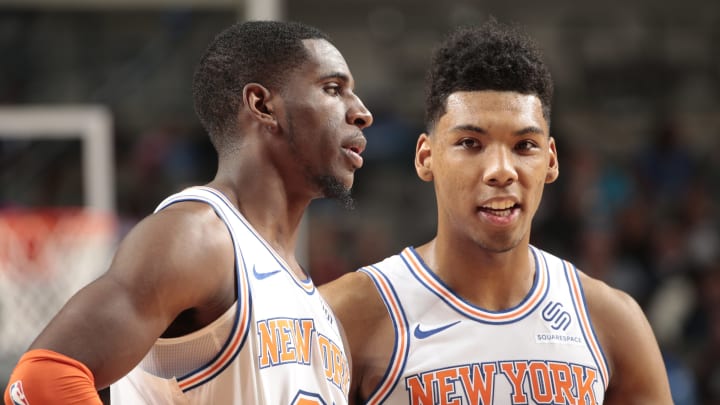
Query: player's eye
(332, 89)
(469, 143)
(526, 145)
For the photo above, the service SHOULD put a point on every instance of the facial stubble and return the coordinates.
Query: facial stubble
(330, 186)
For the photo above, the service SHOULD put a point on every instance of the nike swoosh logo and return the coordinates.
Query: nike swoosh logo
(424, 334)
(263, 276)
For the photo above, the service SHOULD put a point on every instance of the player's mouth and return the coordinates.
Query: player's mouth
(502, 209)
(353, 148)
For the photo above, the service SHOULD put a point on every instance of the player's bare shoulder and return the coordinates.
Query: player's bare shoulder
(194, 224)
(611, 310)
(609, 307)
(183, 244)
(358, 306)
(637, 372)
(181, 232)
(354, 299)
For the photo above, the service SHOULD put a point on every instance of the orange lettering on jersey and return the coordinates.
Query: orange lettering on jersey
(303, 337)
(453, 385)
(285, 340)
(544, 382)
(307, 398)
(307, 401)
(540, 383)
(515, 373)
(287, 350)
(446, 386)
(479, 384)
(268, 343)
(338, 362)
(326, 355)
(421, 393)
(562, 381)
(584, 379)
(345, 380)
(335, 363)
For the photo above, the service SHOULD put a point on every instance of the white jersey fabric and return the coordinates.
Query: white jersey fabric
(279, 343)
(448, 351)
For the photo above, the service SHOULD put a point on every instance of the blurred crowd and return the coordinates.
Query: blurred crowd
(649, 225)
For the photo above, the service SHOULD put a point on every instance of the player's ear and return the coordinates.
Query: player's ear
(553, 164)
(423, 158)
(259, 101)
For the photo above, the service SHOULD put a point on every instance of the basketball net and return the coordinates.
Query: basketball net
(46, 256)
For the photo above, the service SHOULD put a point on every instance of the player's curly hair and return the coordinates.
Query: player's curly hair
(249, 52)
(492, 56)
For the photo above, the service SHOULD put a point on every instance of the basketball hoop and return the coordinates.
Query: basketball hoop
(46, 256)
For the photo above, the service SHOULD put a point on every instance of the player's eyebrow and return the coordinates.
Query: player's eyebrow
(532, 130)
(470, 128)
(336, 75)
(482, 131)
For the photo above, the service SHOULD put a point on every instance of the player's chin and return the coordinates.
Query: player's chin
(332, 186)
(344, 177)
(347, 180)
(501, 243)
(338, 188)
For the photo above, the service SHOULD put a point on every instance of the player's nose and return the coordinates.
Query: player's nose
(359, 115)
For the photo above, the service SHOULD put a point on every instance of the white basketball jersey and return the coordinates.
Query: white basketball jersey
(448, 351)
(279, 343)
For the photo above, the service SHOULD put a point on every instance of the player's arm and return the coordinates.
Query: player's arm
(368, 329)
(170, 262)
(637, 371)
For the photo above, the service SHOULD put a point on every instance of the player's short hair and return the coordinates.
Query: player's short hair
(491, 56)
(249, 52)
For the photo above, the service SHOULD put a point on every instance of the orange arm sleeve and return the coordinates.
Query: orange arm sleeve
(46, 377)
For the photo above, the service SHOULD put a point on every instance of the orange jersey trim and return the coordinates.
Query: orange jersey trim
(402, 340)
(434, 284)
(579, 298)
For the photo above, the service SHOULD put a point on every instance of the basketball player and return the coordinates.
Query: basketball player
(205, 302)
(477, 315)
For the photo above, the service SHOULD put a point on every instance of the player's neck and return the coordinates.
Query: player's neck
(265, 203)
(491, 280)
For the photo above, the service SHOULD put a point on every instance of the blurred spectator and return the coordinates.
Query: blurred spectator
(665, 169)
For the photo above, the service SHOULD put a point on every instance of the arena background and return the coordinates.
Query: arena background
(636, 116)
